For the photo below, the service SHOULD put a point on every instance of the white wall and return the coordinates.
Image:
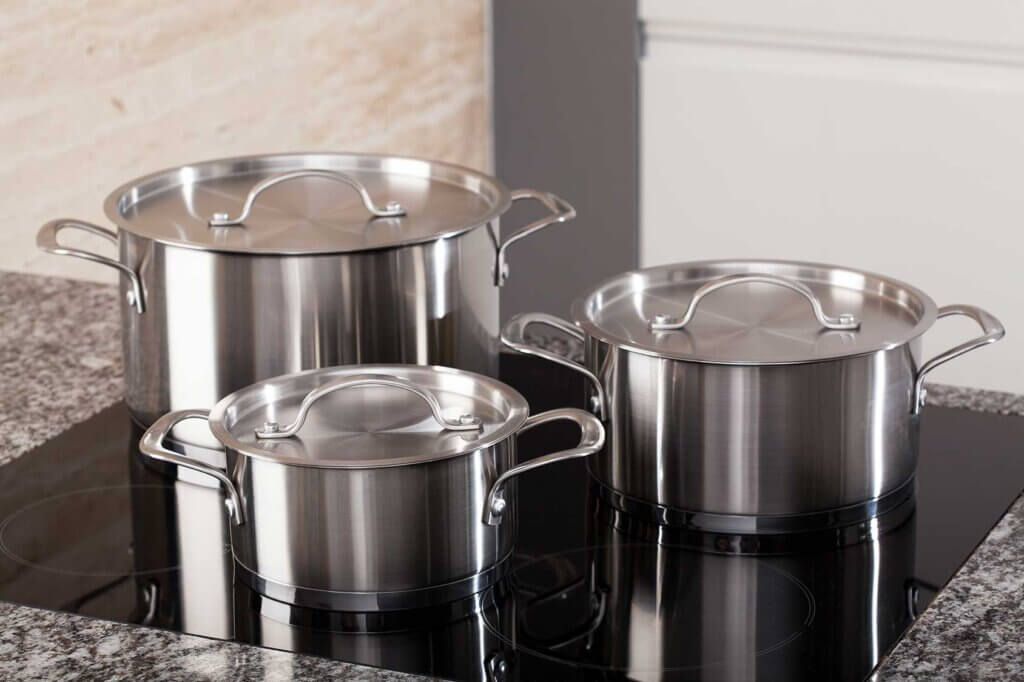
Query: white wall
(879, 137)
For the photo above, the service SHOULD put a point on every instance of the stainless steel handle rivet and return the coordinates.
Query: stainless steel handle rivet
(843, 322)
(391, 209)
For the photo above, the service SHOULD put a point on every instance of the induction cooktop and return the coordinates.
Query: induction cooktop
(87, 526)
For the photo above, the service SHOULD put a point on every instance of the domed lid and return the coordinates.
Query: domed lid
(754, 312)
(368, 416)
(307, 203)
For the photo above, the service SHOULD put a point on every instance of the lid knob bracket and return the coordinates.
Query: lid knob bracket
(464, 422)
(391, 209)
(842, 322)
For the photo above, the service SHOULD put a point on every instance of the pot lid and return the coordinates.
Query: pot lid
(306, 203)
(368, 416)
(754, 312)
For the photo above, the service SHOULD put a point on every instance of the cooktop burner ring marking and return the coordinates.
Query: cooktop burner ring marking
(13, 555)
(492, 619)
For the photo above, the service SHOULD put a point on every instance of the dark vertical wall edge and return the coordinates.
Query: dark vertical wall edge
(566, 121)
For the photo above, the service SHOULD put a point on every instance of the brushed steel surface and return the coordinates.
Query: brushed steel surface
(311, 215)
(371, 530)
(372, 425)
(757, 440)
(216, 322)
(753, 323)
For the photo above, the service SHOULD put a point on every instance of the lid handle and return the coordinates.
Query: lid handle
(391, 209)
(465, 422)
(670, 322)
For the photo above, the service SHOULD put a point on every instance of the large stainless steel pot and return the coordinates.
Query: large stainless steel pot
(391, 487)
(237, 270)
(755, 396)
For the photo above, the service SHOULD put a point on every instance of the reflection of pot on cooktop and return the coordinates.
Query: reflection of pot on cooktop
(653, 611)
(178, 519)
(450, 641)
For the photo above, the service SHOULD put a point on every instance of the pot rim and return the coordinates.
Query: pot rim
(581, 320)
(518, 412)
(169, 177)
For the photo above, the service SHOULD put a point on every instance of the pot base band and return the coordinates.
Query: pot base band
(736, 533)
(372, 601)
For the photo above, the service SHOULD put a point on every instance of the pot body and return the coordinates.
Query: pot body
(756, 440)
(215, 322)
(371, 539)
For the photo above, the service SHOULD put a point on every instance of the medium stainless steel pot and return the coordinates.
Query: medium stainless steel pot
(241, 269)
(391, 487)
(755, 396)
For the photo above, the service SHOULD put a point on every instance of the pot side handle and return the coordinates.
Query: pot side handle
(561, 212)
(591, 440)
(992, 327)
(46, 239)
(152, 446)
(514, 336)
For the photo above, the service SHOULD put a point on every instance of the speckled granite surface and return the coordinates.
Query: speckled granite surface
(60, 357)
(974, 630)
(60, 362)
(46, 645)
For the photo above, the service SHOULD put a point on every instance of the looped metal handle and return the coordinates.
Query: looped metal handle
(46, 239)
(591, 440)
(514, 336)
(993, 331)
(152, 446)
(670, 322)
(391, 209)
(465, 422)
(561, 212)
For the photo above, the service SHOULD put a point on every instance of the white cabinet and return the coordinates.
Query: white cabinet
(881, 137)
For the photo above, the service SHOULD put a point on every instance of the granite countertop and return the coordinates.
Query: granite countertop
(60, 359)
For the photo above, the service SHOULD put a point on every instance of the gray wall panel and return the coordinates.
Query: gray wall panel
(565, 110)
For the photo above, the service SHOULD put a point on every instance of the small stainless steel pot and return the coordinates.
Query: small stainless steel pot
(241, 269)
(735, 401)
(391, 487)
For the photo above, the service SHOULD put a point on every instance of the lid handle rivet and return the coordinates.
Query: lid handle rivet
(467, 418)
(220, 216)
(271, 427)
(662, 318)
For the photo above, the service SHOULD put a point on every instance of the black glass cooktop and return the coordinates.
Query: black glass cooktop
(86, 526)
